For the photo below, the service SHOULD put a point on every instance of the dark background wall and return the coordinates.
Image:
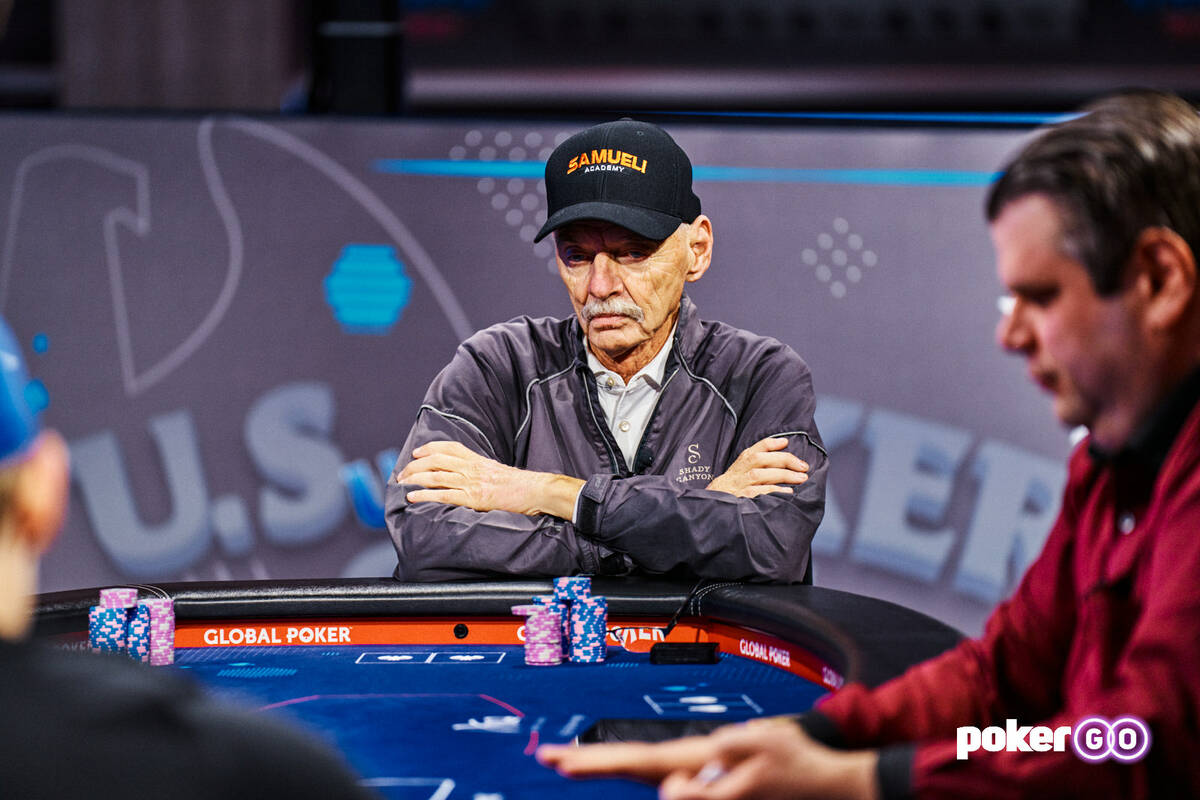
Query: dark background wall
(489, 56)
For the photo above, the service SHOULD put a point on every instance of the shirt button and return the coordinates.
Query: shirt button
(624, 426)
(609, 383)
(1126, 523)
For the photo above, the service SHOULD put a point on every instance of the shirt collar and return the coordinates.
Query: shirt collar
(652, 372)
(1152, 439)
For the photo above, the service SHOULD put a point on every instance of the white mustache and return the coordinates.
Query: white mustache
(600, 307)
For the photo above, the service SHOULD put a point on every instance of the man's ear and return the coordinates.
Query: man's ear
(39, 498)
(1168, 269)
(700, 242)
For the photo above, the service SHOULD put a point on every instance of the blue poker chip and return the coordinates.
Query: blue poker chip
(589, 630)
(137, 637)
(107, 629)
(18, 411)
(572, 589)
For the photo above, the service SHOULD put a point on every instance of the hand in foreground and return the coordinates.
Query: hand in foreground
(455, 474)
(763, 467)
(763, 760)
(649, 763)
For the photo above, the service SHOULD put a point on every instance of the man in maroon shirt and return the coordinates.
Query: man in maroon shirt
(1087, 681)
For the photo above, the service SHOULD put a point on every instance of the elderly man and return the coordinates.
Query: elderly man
(1096, 226)
(632, 437)
(84, 725)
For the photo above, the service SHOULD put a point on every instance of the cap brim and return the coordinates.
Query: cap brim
(642, 221)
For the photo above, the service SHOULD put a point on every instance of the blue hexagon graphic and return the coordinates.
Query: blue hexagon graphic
(367, 289)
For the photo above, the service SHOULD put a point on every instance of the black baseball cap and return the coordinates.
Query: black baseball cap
(626, 172)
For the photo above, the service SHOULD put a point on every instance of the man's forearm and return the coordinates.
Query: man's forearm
(453, 473)
(852, 776)
(556, 495)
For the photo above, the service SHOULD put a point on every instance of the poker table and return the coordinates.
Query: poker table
(425, 689)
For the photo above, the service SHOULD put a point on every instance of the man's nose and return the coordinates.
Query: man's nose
(1012, 331)
(604, 279)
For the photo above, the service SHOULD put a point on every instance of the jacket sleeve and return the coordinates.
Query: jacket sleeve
(436, 541)
(1014, 672)
(663, 525)
(473, 402)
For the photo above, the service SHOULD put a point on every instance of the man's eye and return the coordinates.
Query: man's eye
(1040, 297)
(632, 256)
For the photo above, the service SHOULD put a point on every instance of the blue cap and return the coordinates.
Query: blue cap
(18, 417)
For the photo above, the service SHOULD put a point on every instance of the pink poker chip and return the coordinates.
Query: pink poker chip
(162, 630)
(160, 605)
(527, 610)
(118, 598)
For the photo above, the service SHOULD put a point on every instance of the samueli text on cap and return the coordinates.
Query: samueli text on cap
(607, 156)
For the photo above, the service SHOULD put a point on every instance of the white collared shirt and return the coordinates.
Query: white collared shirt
(628, 406)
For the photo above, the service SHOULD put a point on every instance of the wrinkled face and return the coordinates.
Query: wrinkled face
(625, 288)
(1080, 347)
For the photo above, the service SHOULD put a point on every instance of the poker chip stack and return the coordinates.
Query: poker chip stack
(543, 634)
(571, 618)
(144, 630)
(162, 630)
(137, 639)
(564, 612)
(108, 623)
(588, 625)
(106, 629)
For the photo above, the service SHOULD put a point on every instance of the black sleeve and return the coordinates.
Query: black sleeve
(88, 725)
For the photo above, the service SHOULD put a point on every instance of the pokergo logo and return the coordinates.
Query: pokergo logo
(1094, 739)
(1097, 739)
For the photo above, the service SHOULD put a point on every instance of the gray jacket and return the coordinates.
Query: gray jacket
(521, 393)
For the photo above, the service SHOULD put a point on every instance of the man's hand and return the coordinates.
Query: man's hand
(763, 467)
(649, 763)
(453, 473)
(760, 760)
